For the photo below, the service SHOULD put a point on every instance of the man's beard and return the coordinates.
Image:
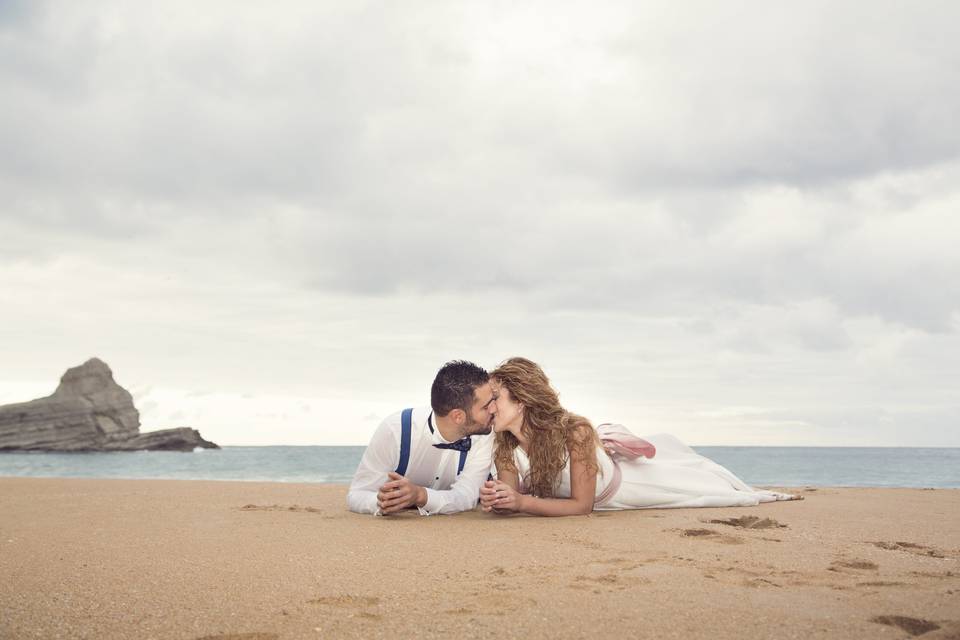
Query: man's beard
(475, 428)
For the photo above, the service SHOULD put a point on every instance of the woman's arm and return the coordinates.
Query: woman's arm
(509, 477)
(503, 496)
(583, 487)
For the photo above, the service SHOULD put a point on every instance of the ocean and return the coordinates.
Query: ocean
(760, 466)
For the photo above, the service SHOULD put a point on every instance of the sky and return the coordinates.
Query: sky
(735, 222)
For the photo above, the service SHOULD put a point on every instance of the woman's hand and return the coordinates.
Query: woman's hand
(499, 497)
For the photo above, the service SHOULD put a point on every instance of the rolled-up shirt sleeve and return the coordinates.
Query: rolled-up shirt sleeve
(465, 491)
(380, 457)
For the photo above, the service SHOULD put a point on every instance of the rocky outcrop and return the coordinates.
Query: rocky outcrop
(89, 411)
(180, 439)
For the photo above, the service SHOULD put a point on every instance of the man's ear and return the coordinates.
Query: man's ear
(459, 417)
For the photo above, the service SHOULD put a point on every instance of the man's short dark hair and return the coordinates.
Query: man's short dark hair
(454, 386)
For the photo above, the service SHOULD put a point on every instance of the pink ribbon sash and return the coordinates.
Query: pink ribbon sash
(620, 444)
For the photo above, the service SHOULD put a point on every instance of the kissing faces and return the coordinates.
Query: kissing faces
(509, 412)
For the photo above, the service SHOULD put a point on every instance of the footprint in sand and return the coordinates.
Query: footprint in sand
(279, 507)
(935, 574)
(610, 581)
(860, 565)
(909, 547)
(607, 578)
(619, 564)
(358, 603)
(371, 616)
(710, 534)
(761, 582)
(751, 522)
(346, 601)
(913, 626)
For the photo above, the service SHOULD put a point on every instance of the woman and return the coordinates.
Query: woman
(551, 462)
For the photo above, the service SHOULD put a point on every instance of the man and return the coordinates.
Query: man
(445, 457)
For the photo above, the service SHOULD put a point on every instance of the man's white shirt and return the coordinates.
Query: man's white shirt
(432, 468)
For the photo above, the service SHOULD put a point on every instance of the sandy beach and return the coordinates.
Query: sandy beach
(231, 560)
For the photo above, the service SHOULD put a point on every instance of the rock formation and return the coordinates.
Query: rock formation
(89, 411)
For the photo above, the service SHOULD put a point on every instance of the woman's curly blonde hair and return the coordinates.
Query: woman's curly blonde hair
(552, 432)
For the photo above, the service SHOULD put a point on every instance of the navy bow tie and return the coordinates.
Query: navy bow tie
(463, 444)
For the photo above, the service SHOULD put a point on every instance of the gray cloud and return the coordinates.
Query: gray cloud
(676, 185)
(314, 104)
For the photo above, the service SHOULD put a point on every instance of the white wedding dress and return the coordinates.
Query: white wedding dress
(677, 476)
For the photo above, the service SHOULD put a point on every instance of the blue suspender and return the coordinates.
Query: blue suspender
(405, 429)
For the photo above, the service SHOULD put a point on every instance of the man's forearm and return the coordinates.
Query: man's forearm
(360, 501)
(451, 500)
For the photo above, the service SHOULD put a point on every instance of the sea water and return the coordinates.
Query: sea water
(761, 466)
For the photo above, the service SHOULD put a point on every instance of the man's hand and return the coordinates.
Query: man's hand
(399, 494)
(499, 497)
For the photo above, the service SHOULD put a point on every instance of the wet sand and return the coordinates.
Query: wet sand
(259, 561)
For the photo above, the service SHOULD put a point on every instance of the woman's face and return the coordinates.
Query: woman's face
(509, 411)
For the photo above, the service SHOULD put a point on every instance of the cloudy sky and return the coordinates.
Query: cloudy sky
(737, 222)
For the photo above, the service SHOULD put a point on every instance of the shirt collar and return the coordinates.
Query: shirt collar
(435, 433)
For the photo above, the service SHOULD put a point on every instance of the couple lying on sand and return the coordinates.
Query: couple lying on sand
(547, 461)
